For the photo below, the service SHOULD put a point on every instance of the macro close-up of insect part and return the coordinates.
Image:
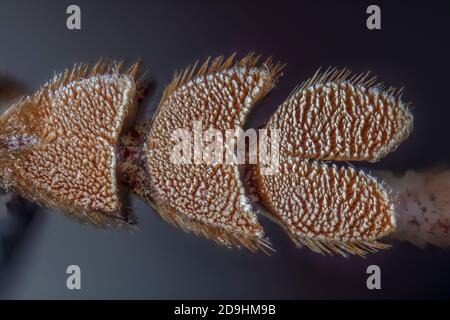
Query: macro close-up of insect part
(60, 150)
(186, 160)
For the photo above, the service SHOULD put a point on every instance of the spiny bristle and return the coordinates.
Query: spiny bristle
(220, 64)
(333, 74)
(221, 236)
(341, 248)
(102, 67)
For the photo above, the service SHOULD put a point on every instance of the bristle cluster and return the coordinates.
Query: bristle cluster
(219, 65)
(345, 75)
(102, 67)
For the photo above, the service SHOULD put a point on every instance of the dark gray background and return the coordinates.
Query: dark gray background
(159, 261)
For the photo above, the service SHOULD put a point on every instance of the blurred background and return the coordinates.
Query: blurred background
(411, 50)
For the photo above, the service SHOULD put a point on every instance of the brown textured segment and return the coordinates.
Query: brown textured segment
(335, 116)
(59, 144)
(209, 200)
(327, 208)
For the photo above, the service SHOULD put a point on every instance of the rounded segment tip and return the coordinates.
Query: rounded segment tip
(326, 206)
(342, 120)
